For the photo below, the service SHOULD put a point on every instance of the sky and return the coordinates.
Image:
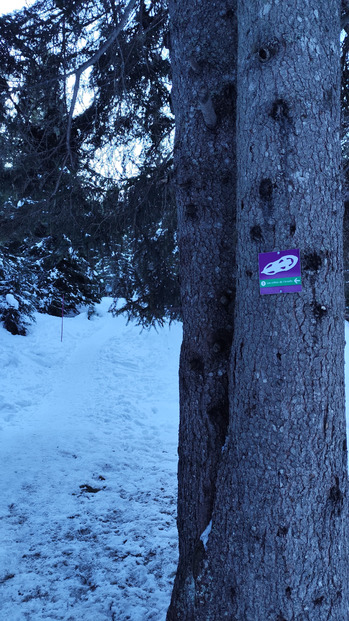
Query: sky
(7, 6)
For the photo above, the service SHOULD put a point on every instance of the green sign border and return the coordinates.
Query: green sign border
(280, 282)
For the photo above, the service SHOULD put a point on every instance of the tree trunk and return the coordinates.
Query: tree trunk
(203, 40)
(277, 548)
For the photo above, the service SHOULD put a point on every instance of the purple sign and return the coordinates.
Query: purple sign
(280, 272)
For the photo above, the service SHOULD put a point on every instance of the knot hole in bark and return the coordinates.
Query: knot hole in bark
(335, 498)
(196, 364)
(282, 531)
(221, 340)
(256, 233)
(229, 14)
(319, 310)
(267, 51)
(263, 54)
(266, 187)
(280, 110)
(312, 262)
(191, 212)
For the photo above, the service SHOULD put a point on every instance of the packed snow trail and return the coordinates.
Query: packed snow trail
(88, 463)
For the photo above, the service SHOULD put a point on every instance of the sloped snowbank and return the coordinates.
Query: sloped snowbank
(88, 464)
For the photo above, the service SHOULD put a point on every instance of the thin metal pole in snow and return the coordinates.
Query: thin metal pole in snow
(62, 318)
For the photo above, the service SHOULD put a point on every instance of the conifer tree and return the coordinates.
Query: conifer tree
(82, 84)
(274, 544)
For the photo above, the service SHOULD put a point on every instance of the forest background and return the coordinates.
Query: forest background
(86, 136)
(85, 176)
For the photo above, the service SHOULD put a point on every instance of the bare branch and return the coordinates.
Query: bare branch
(91, 61)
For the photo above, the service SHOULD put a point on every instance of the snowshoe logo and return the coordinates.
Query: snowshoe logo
(280, 265)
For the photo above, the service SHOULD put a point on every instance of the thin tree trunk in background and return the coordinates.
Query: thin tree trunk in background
(277, 549)
(203, 40)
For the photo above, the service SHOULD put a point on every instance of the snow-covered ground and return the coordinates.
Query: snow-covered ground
(88, 460)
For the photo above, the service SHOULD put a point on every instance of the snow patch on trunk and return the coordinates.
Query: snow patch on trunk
(205, 535)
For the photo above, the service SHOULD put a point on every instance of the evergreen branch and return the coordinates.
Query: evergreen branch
(345, 14)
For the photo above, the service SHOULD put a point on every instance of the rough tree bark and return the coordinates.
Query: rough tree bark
(277, 547)
(203, 40)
